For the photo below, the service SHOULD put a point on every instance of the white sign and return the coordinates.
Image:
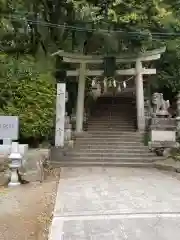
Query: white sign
(9, 127)
(60, 114)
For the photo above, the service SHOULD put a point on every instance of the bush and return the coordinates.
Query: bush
(28, 91)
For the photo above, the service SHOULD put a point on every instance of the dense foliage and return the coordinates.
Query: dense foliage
(27, 91)
(31, 30)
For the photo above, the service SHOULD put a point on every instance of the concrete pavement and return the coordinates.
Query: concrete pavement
(116, 203)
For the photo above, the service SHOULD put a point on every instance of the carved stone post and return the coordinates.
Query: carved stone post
(178, 115)
(60, 114)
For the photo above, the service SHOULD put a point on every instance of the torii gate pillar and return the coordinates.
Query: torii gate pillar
(80, 98)
(139, 97)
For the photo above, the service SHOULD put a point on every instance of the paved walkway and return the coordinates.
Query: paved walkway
(116, 204)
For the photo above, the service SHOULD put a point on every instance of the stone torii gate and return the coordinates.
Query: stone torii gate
(138, 71)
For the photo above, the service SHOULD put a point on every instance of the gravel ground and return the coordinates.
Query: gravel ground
(26, 210)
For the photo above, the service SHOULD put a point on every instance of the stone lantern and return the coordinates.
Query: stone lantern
(15, 163)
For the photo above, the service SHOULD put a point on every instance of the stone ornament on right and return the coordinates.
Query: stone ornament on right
(163, 127)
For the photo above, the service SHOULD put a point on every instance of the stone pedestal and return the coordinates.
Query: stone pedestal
(162, 134)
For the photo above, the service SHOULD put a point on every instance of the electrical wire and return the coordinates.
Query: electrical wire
(80, 29)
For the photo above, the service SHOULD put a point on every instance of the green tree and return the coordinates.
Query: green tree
(28, 90)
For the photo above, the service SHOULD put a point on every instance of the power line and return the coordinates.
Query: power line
(84, 29)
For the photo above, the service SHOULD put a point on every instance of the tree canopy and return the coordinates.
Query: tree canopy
(83, 25)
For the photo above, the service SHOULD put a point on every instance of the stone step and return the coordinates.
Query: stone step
(121, 102)
(130, 130)
(111, 147)
(98, 132)
(119, 110)
(117, 125)
(112, 138)
(112, 108)
(110, 154)
(126, 111)
(115, 106)
(111, 132)
(104, 117)
(111, 118)
(105, 164)
(111, 123)
(110, 127)
(93, 150)
(110, 159)
(109, 115)
(114, 101)
(114, 120)
(114, 126)
(118, 113)
(114, 135)
(111, 103)
(107, 143)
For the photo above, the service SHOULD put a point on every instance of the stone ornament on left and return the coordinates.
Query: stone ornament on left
(15, 163)
(15, 152)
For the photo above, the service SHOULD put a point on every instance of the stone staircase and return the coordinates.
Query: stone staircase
(111, 138)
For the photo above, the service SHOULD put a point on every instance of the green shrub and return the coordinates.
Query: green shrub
(27, 90)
